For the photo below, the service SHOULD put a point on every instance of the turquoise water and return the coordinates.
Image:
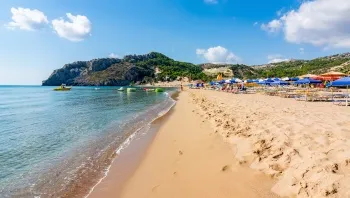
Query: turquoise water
(56, 143)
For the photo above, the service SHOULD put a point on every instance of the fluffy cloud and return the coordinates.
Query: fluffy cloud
(211, 1)
(27, 19)
(77, 28)
(255, 23)
(301, 50)
(218, 55)
(319, 22)
(276, 58)
(273, 26)
(113, 55)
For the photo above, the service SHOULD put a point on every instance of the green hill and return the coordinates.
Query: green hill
(339, 62)
(158, 67)
(121, 72)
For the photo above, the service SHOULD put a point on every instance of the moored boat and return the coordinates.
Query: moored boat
(131, 90)
(121, 89)
(159, 90)
(62, 88)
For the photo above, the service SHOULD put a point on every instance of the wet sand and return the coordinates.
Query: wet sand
(186, 158)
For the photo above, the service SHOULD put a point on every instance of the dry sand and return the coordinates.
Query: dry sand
(305, 146)
(188, 159)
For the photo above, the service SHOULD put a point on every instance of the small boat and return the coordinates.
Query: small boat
(121, 89)
(62, 88)
(131, 90)
(159, 90)
(148, 89)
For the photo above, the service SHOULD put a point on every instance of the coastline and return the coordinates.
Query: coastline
(161, 163)
(129, 155)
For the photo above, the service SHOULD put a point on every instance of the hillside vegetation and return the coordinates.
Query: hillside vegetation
(300, 67)
(121, 72)
(158, 67)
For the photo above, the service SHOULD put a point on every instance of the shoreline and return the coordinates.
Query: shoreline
(145, 167)
(123, 165)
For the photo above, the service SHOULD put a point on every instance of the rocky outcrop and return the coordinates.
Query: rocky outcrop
(104, 72)
(69, 72)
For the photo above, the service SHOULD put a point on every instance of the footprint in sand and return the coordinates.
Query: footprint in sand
(225, 168)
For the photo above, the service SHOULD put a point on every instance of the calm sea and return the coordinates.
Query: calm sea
(59, 144)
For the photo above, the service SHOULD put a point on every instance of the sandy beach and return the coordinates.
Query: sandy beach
(217, 144)
(186, 159)
(303, 145)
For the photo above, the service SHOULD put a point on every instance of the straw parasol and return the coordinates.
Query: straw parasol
(332, 75)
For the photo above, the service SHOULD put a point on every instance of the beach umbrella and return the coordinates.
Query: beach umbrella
(238, 80)
(276, 79)
(332, 75)
(221, 81)
(269, 80)
(249, 81)
(285, 79)
(294, 79)
(227, 81)
(264, 82)
(343, 82)
(279, 83)
(307, 81)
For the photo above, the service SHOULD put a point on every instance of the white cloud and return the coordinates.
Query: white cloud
(276, 58)
(218, 55)
(301, 50)
(323, 23)
(27, 19)
(211, 1)
(273, 26)
(75, 29)
(256, 23)
(113, 55)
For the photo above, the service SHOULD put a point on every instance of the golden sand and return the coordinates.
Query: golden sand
(304, 145)
(188, 159)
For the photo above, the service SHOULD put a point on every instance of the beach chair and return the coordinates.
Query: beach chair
(341, 100)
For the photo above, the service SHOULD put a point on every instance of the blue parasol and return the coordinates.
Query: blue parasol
(307, 81)
(281, 82)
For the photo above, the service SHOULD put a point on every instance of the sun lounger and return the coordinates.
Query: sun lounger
(341, 102)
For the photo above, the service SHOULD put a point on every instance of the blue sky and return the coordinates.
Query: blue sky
(244, 31)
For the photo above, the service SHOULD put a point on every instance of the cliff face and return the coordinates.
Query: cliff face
(104, 72)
